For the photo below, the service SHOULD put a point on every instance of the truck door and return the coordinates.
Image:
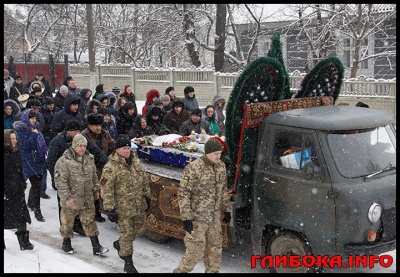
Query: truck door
(292, 185)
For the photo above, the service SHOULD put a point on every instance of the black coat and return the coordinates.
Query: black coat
(16, 213)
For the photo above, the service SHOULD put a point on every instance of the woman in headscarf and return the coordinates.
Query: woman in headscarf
(33, 148)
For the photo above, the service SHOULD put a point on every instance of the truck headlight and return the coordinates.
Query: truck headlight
(374, 212)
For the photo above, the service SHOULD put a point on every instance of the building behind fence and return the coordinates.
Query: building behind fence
(378, 94)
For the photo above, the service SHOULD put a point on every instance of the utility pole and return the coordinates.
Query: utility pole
(92, 68)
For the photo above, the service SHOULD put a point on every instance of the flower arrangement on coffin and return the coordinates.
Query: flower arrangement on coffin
(183, 144)
(145, 141)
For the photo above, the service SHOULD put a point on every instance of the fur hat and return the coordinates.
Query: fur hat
(168, 89)
(73, 125)
(39, 73)
(188, 89)
(197, 112)
(48, 100)
(33, 103)
(178, 103)
(95, 119)
(122, 140)
(155, 111)
(212, 145)
(78, 140)
(157, 101)
(63, 89)
(36, 89)
(105, 111)
(32, 113)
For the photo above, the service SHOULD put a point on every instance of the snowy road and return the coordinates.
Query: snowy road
(149, 257)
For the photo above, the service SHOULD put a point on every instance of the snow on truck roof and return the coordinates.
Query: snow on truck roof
(332, 118)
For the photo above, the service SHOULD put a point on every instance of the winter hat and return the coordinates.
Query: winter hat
(73, 125)
(95, 119)
(155, 111)
(79, 140)
(165, 98)
(212, 145)
(168, 89)
(63, 89)
(105, 111)
(18, 77)
(178, 103)
(188, 89)
(36, 89)
(33, 103)
(116, 90)
(6, 72)
(196, 111)
(48, 100)
(122, 140)
(39, 73)
(32, 113)
(157, 101)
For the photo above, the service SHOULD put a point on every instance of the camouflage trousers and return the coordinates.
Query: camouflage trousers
(87, 220)
(205, 241)
(129, 228)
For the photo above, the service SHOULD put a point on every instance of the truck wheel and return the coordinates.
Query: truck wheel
(156, 237)
(287, 243)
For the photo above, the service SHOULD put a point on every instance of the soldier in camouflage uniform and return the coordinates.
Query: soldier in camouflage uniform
(77, 186)
(125, 190)
(203, 194)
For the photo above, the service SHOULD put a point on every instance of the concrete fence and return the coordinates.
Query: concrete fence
(378, 94)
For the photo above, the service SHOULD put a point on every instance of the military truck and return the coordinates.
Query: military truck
(307, 177)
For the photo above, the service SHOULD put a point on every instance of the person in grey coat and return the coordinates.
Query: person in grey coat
(195, 123)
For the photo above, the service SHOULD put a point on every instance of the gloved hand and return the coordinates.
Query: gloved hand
(148, 201)
(188, 226)
(227, 217)
(113, 216)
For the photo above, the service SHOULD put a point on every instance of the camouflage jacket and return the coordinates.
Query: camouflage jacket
(123, 187)
(203, 191)
(76, 179)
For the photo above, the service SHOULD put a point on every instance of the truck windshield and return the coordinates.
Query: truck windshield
(359, 153)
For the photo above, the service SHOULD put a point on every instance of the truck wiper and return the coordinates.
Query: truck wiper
(386, 168)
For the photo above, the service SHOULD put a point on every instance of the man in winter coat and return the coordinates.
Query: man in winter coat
(40, 77)
(72, 89)
(104, 141)
(202, 196)
(70, 111)
(17, 90)
(175, 117)
(125, 189)
(77, 186)
(59, 98)
(195, 123)
(57, 147)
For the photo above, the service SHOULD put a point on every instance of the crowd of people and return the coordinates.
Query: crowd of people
(83, 139)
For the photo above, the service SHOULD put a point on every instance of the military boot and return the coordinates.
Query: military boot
(23, 239)
(97, 248)
(116, 245)
(129, 267)
(66, 246)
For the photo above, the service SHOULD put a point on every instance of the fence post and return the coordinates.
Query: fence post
(52, 81)
(26, 68)
(216, 75)
(133, 81)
